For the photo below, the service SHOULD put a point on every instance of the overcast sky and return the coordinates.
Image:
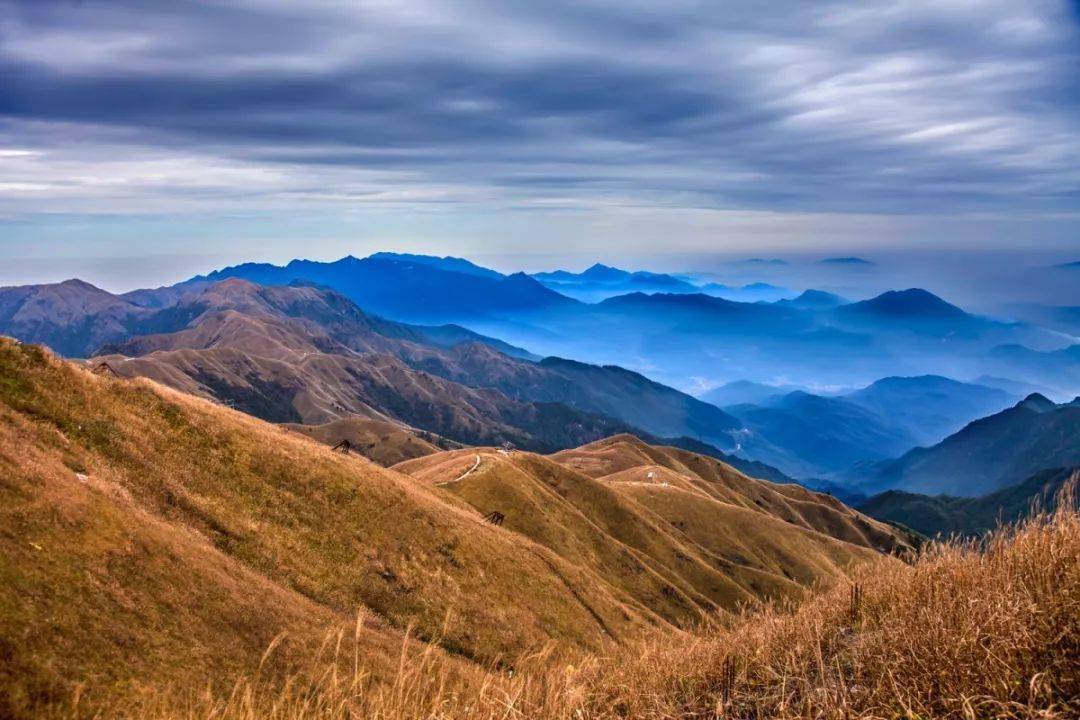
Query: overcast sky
(144, 140)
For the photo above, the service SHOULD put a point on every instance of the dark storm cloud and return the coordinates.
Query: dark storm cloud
(860, 107)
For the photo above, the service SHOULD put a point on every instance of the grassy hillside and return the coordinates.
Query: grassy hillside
(715, 480)
(709, 540)
(151, 536)
(968, 631)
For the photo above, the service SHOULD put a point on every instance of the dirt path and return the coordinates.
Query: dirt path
(465, 474)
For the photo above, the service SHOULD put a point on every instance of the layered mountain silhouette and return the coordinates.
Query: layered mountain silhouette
(291, 344)
(156, 535)
(664, 325)
(988, 454)
(746, 392)
(930, 407)
(809, 435)
(814, 436)
(603, 281)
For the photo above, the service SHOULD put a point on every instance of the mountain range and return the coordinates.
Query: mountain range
(438, 345)
(408, 287)
(665, 326)
(301, 353)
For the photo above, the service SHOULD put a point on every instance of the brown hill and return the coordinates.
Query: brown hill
(682, 537)
(149, 534)
(72, 317)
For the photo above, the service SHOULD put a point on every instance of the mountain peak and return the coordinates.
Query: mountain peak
(604, 273)
(913, 302)
(845, 261)
(78, 284)
(812, 300)
(1037, 402)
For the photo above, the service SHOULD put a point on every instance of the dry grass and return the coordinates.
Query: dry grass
(969, 631)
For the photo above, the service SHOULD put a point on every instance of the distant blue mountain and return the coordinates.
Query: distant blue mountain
(602, 281)
(914, 303)
(1075, 265)
(451, 264)
(846, 261)
(813, 300)
(753, 292)
(407, 288)
(807, 435)
(745, 392)
(931, 407)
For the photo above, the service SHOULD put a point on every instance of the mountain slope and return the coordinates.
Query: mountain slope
(383, 442)
(988, 454)
(628, 458)
(943, 515)
(138, 518)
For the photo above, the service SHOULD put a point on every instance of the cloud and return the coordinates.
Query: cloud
(880, 106)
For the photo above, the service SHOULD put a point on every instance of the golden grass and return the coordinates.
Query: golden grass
(988, 630)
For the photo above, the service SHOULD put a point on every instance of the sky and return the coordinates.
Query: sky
(142, 141)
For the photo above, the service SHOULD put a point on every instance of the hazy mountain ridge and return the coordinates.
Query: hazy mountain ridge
(987, 455)
(414, 290)
(814, 436)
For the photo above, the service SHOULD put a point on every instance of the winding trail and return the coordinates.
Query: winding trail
(465, 474)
